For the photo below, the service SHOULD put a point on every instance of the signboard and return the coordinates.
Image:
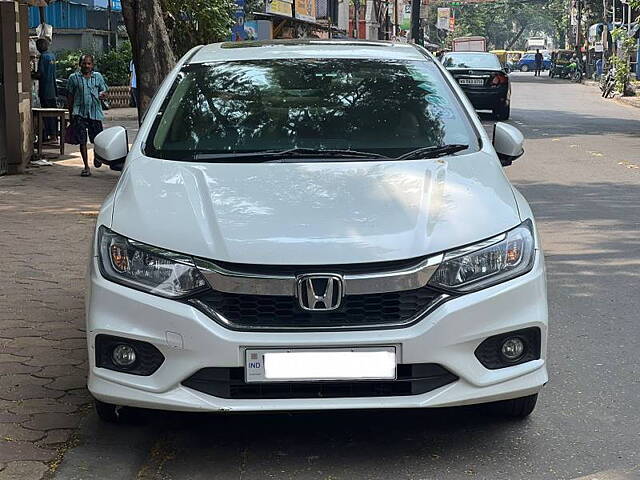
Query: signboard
(405, 23)
(280, 7)
(306, 10)
(598, 47)
(237, 30)
(443, 18)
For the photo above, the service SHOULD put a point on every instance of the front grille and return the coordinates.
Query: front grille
(228, 382)
(246, 312)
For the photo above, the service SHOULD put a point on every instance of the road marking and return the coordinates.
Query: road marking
(624, 163)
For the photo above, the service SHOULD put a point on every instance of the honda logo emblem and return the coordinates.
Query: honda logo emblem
(318, 292)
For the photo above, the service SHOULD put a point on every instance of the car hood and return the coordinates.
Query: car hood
(314, 213)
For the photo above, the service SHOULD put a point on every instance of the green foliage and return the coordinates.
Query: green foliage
(620, 63)
(67, 63)
(196, 22)
(113, 65)
(509, 22)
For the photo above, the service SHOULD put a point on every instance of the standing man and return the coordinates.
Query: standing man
(46, 76)
(86, 90)
(538, 60)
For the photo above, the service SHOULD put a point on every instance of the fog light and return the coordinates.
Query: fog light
(123, 355)
(512, 348)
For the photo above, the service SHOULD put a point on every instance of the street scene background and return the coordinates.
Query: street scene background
(581, 175)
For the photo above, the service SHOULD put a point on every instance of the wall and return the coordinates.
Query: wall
(17, 135)
(60, 14)
(89, 40)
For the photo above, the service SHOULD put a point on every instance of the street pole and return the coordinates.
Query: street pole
(579, 29)
(415, 21)
(109, 24)
(356, 18)
(395, 18)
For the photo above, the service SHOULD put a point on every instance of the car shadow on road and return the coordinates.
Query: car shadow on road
(329, 441)
(550, 123)
(605, 223)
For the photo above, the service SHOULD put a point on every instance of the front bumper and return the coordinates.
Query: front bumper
(190, 341)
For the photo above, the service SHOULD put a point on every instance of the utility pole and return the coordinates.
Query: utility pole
(579, 29)
(415, 21)
(109, 24)
(396, 28)
(356, 18)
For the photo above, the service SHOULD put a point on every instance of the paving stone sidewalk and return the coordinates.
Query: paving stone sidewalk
(46, 220)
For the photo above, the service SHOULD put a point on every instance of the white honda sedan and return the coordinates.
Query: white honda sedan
(314, 225)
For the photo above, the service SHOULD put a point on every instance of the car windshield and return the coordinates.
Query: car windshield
(471, 60)
(384, 107)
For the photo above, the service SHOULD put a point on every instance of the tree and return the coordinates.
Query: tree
(150, 45)
(507, 24)
(197, 22)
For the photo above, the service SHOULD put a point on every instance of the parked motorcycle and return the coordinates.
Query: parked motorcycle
(608, 82)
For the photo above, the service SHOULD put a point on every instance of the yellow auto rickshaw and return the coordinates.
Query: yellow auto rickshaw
(502, 56)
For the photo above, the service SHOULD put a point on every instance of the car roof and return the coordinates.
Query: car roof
(310, 48)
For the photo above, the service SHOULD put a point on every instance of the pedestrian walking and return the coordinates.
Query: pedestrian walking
(86, 90)
(46, 76)
(538, 63)
(133, 83)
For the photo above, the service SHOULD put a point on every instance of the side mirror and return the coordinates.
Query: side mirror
(111, 147)
(508, 143)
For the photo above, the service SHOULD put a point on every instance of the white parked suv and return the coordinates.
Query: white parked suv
(314, 225)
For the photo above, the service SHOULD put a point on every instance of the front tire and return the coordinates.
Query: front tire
(110, 413)
(524, 68)
(107, 411)
(516, 408)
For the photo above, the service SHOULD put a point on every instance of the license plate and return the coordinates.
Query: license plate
(304, 365)
(471, 81)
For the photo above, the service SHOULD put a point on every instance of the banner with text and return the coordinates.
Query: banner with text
(443, 18)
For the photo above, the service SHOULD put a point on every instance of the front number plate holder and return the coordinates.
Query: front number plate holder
(320, 364)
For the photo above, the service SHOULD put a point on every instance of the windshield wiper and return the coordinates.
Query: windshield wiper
(276, 155)
(433, 151)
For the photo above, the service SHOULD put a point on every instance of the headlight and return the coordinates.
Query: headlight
(146, 268)
(487, 263)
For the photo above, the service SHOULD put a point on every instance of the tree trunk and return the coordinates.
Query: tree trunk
(150, 45)
(515, 39)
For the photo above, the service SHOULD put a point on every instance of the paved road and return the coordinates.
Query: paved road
(581, 174)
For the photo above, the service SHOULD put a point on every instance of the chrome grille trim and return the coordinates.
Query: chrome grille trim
(221, 319)
(228, 281)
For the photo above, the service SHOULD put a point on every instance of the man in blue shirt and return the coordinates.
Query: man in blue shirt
(46, 76)
(86, 90)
